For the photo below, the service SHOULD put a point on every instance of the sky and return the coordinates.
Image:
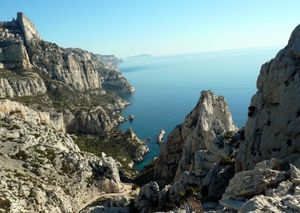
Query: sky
(159, 27)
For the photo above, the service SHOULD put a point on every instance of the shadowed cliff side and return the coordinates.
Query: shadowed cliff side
(272, 129)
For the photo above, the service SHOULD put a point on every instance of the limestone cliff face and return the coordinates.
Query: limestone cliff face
(13, 53)
(97, 120)
(28, 28)
(272, 129)
(43, 170)
(29, 84)
(22, 47)
(51, 119)
(200, 130)
(59, 78)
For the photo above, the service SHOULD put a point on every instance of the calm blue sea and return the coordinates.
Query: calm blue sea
(168, 88)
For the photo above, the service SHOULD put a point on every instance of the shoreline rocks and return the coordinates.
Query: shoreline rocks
(140, 148)
(160, 136)
(131, 117)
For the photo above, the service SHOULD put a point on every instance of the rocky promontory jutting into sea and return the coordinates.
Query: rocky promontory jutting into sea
(60, 150)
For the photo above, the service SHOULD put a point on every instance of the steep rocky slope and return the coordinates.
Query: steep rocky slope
(43, 170)
(272, 129)
(207, 164)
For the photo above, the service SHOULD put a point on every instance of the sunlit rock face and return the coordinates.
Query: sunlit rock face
(200, 130)
(272, 129)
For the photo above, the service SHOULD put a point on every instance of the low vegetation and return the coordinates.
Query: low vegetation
(110, 146)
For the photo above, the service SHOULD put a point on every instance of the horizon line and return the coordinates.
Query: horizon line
(199, 52)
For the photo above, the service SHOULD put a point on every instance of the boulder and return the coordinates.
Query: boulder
(253, 182)
(148, 197)
(283, 198)
(216, 181)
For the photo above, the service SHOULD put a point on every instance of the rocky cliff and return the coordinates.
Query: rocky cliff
(272, 129)
(198, 136)
(22, 47)
(197, 157)
(34, 67)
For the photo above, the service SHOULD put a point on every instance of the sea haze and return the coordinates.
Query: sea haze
(168, 88)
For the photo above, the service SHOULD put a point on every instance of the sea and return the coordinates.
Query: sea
(168, 88)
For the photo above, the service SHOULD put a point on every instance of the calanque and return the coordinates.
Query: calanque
(61, 151)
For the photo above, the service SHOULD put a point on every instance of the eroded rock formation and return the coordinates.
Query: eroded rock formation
(199, 138)
(272, 129)
(43, 170)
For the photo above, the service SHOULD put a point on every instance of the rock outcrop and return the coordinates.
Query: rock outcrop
(199, 136)
(135, 146)
(52, 119)
(148, 198)
(197, 158)
(97, 119)
(28, 28)
(12, 85)
(272, 186)
(272, 129)
(43, 170)
(13, 52)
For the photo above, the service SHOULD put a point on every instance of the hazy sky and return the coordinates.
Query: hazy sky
(131, 27)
